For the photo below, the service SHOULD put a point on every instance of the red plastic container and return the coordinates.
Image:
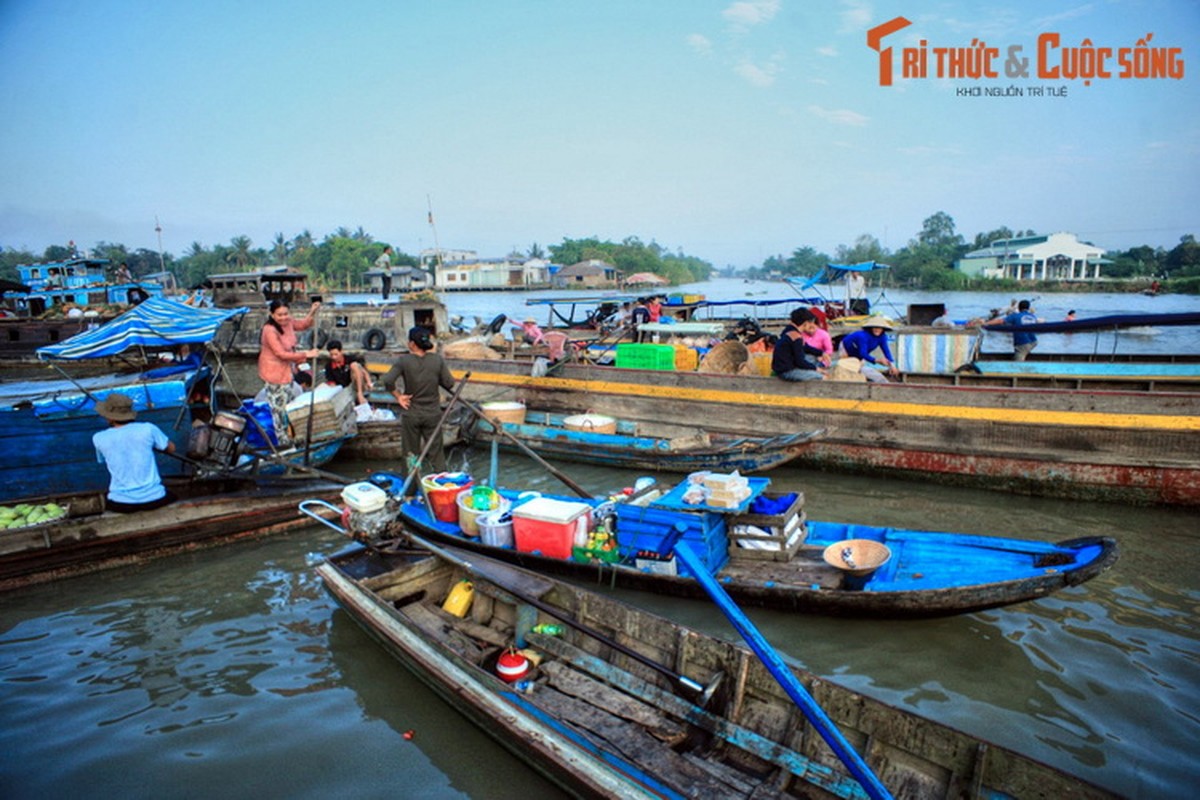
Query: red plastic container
(548, 526)
(443, 499)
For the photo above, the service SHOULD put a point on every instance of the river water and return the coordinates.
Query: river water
(229, 672)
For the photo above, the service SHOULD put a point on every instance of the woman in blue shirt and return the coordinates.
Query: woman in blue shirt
(863, 343)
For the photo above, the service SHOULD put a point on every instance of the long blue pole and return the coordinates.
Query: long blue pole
(774, 664)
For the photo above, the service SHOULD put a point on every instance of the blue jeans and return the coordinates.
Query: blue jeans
(801, 375)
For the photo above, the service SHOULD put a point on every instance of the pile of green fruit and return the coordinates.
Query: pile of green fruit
(19, 516)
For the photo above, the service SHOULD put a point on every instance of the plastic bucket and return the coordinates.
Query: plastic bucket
(443, 498)
(469, 515)
(496, 528)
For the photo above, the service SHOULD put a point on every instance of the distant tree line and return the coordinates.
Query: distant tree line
(338, 261)
(927, 261)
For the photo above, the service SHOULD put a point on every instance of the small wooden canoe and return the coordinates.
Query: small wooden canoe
(645, 446)
(624, 703)
(778, 561)
(207, 513)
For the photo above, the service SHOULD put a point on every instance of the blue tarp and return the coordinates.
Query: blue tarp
(158, 322)
(832, 273)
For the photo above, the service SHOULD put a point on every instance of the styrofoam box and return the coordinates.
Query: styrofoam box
(339, 397)
(548, 526)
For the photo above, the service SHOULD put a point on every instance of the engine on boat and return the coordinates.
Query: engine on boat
(215, 444)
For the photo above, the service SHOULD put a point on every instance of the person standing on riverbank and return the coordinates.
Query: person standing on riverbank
(278, 359)
(423, 372)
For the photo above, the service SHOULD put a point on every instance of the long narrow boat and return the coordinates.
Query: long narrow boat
(207, 513)
(646, 446)
(623, 703)
(1132, 447)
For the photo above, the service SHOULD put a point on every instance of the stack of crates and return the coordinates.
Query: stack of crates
(686, 359)
(631, 355)
(644, 528)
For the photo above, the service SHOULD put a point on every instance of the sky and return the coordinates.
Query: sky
(731, 131)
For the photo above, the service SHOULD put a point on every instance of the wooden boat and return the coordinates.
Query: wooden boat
(207, 513)
(380, 440)
(779, 560)
(1133, 447)
(646, 446)
(624, 703)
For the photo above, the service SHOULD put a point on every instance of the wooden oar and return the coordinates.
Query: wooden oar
(779, 670)
(493, 572)
(555, 471)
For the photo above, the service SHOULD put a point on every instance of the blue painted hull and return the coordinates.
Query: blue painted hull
(46, 430)
(929, 573)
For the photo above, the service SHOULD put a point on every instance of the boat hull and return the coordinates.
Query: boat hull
(1113, 446)
(207, 514)
(806, 584)
(597, 720)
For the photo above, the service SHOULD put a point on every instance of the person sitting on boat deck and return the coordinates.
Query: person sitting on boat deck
(344, 370)
(820, 340)
(127, 448)
(529, 331)
(423, 372)
(277, 360)
(1023, 343)
(864, 342)
(793, 360)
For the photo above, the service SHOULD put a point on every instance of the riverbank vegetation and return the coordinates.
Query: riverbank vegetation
(339, 261)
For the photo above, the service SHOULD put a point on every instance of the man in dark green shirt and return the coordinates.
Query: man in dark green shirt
(423, 372)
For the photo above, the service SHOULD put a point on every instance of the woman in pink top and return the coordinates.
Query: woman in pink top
(277, 360)
(820, 340)
(654, 306)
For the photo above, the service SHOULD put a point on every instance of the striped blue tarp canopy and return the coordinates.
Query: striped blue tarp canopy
(832, 273)
(157, 322)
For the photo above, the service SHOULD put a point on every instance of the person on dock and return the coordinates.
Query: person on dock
(1023, 343)
(793, 359)
(278, 359)
(127, 448)
(422, 372)
(864, 343)
(344, 370)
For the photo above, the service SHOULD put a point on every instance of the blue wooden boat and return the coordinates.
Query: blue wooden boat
(625, 703)
(46, 426)
(779, 560)
(646, 446)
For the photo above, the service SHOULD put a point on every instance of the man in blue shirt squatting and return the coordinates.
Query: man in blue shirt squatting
(793, 360)
(863, 344)
(1023, 343)
(128, 449)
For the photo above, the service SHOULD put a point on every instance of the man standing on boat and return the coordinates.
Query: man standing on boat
(423, 372)
(384, 265)
(1023, 343)
(127, 448)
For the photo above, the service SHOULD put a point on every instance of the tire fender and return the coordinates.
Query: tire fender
(374, 339)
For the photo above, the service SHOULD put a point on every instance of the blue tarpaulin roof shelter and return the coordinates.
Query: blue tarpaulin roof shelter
(832, 273)
(157, 322)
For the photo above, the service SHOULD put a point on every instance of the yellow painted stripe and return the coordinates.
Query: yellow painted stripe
(1015, 416)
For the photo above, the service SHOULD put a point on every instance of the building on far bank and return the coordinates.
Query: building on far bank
(465, 270)
(1057, 257)
(590, 274)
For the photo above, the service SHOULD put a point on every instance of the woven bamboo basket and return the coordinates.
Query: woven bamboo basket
(590, 423)
(726, 358)
(500, 412)
(865, 556)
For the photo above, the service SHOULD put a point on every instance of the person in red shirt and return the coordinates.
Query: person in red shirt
(278, 359)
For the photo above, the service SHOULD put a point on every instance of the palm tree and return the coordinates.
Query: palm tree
(303, 241)
(240, 254)
(280, 249)
(535, 251)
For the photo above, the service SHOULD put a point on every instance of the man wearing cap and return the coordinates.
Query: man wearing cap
(127, 448)
(423, 372)
(864, 342)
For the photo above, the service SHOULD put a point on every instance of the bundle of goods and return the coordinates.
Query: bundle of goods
(716, 489)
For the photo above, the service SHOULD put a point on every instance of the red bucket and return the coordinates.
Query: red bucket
(443, 497)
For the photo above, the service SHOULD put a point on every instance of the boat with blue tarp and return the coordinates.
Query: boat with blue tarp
(761, 547)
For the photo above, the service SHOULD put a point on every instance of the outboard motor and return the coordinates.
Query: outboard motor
(224, 437)
(369, 510)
